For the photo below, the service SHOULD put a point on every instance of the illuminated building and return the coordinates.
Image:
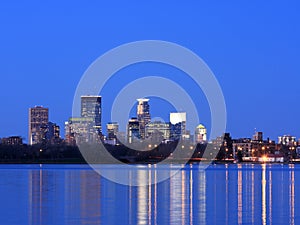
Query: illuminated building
(143, 115)
(255, 147)
(91, 108)
(52, 133)
(287, 140)
(258, 136)
(38, 118)
(200, 134)
(133, 130)
(112, 130)
(158, 131)
(178, 125)
(80, 130)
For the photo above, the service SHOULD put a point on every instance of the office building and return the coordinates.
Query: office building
(133, 130)
(143, 115)
(112, 130)
(38, 118)
(80, 130)
(91, 108)
(158, 131)
(178, 125)
(52, 133)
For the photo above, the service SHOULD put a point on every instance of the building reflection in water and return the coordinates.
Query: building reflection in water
(264, 197)
(292, 194)
(222, 194)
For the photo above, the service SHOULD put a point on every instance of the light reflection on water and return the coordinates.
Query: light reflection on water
(223, 194)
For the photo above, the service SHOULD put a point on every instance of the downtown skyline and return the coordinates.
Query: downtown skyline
(87, 111)
(252, 51)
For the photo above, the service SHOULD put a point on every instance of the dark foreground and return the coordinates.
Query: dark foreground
(93, 154)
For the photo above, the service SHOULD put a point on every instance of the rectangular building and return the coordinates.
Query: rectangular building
(91, 108)
(38, 118)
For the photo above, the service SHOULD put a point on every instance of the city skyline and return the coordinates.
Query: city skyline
(252, 51)
(92, 104)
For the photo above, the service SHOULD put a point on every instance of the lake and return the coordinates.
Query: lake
(221, 194)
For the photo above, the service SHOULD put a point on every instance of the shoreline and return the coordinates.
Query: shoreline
(194, 162)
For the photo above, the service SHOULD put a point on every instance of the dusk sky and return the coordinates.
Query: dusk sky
(251, 46)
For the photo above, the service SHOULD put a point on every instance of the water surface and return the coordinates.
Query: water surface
(222, 194)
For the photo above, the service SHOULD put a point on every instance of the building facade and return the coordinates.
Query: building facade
(52, 133)
(158, 131)
(80, 130)
(250, 149)
(178, 125)
(112, 130)
(13, 140)
(38, 119)
(133, 130)
(287, 140)
(91, 108)
(200, 134)
(143, 115)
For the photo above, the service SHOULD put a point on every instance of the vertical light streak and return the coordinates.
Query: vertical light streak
(264, 205)
(240, 195)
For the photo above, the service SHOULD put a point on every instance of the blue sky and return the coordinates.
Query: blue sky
(251, 46)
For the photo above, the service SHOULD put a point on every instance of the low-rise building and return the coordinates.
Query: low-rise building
(13, 140)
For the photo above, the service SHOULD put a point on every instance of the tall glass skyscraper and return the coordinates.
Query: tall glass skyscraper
(91, 108)
(143, 115)
(38, 119)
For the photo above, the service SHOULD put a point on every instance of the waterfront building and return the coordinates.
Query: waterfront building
(243, 145)
(200, 134)
(253, 148)
(38, 119)
(287, 140)
(143, 115)
(133, 130)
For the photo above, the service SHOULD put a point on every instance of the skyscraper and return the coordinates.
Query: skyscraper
(133, 132)
(143, 115)
(178, 125)
(38, 119)
(91, 108)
